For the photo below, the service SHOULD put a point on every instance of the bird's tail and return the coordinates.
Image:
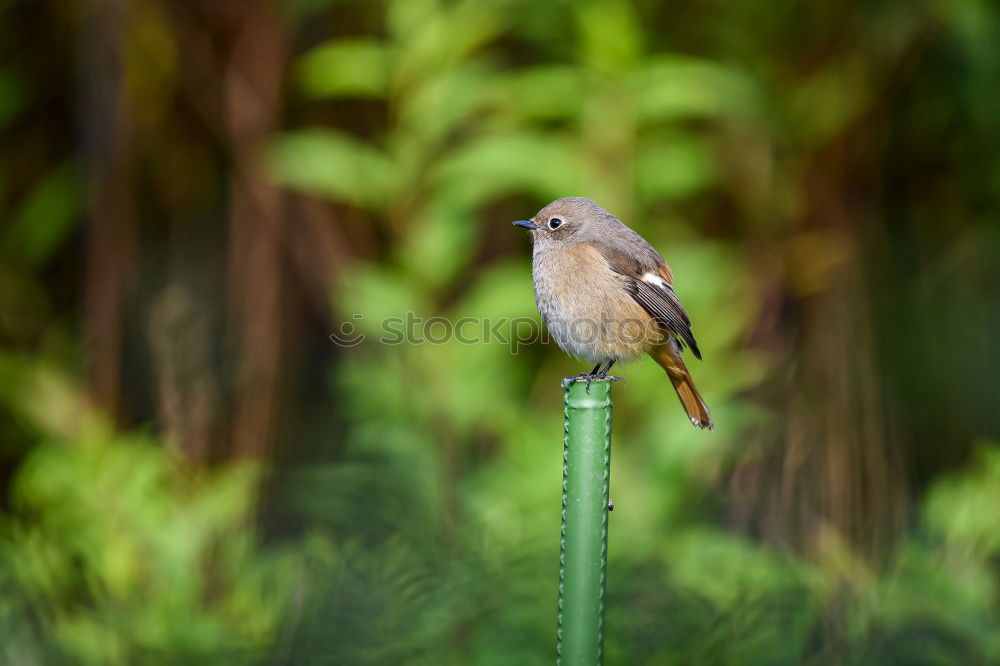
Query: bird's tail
(670, 360)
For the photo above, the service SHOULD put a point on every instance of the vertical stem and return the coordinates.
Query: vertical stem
(583, 555)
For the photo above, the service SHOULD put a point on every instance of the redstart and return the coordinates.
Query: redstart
(606, 295)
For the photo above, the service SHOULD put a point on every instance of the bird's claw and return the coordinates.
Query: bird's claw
(588, 378)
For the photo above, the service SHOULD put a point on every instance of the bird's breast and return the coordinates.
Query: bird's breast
(586, 307)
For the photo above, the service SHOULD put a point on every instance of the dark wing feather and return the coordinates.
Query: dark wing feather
(664, 306)
(632, 261)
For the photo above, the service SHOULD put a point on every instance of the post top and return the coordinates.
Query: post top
(579, 396)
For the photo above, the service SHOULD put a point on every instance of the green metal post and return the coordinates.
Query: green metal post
(583, 547)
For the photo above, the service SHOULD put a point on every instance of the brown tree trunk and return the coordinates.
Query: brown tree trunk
(253, 85)
(109, 239)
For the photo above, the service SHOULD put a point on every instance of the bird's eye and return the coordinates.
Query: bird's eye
(554, 223)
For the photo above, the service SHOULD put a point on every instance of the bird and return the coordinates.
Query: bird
(606, 295)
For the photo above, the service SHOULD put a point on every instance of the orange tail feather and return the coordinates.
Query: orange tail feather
(670, 360)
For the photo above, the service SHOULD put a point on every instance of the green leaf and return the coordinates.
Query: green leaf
(542, 165)
(332, 165)
(671, 168)
(610, 36)
(435, 39)
(673, 86)
(443, 101)
(46, 217)
(544, 92)
(345, 68)
(955, 507)
(438, 242)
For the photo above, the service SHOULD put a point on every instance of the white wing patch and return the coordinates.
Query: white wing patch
(653, 278)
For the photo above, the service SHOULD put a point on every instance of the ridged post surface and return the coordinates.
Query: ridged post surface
(583, 546)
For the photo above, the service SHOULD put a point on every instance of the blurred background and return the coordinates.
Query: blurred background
(196, 194)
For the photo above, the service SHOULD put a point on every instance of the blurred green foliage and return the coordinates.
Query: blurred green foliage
(116, 551)
(425, 531)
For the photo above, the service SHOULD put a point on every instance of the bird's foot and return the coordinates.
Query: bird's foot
(582, 377)
(613, 378)
(592, 377)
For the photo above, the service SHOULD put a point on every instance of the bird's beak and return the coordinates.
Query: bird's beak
(527, 224)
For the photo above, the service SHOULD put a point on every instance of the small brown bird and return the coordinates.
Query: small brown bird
(606, 295)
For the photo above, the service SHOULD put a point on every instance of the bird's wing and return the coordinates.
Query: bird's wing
(648, 280)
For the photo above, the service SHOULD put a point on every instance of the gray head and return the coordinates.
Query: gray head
(570, 220)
